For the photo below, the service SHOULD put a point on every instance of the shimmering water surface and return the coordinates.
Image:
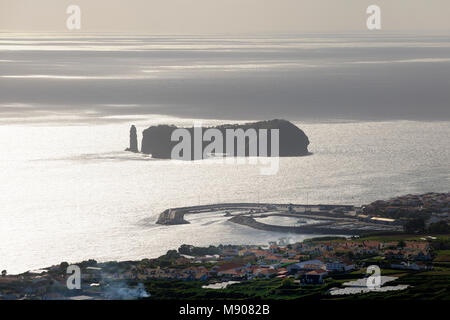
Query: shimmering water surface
(69, 192)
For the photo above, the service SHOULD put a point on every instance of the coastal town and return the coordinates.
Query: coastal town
(434, 207)
(313, 264)
(321, 267)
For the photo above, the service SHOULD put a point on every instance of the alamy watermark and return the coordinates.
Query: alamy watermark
(241, 146)
(374, 20)
(73, 22)
(373, 282)
(74, 280)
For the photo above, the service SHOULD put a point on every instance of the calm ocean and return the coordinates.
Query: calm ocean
(69, 192)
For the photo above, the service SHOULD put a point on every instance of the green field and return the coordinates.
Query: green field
(266, 289)
(442, 256)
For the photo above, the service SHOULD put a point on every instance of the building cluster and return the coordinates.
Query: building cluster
(434, 203)
(308, 262)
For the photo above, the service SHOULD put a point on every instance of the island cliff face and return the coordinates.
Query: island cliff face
(292, 140)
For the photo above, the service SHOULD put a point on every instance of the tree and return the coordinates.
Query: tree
(287, 283)
(63, 266)
(440, 227)
(415, 226)
(350, 255)
(185, 249)
(4, 273)
(171, 254)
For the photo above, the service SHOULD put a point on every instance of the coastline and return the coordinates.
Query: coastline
(258, 272)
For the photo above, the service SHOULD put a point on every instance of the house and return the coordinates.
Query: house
(394, 254)
(363, 217)
(286, 262)
(228, 269)
(421, 256)
(410, 266)
(194, 273)
(372, 244)
(272, 259)
(387, 245)
(339, 266)
(282, 271)
(232, 273)
(80, 298)
(253, 252)
(265, 272)
(274, 249)
(207, 258)
(306, 265)
(230, 252)
(201, 276)
(182, 260)
(314, 277)
(382, 220)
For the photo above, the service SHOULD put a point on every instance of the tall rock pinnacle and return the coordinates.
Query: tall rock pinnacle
(133, 140)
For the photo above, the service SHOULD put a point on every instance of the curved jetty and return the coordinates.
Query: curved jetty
(293, 141)
(329, 219)
(176, 215)
(308, 229)
(172, 216)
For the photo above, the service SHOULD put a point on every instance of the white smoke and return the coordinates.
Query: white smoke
(122, 291)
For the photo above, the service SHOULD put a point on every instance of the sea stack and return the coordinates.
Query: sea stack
(133, 140)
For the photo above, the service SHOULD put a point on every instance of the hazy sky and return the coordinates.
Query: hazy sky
(357, 75)
(224, 16)
(107, 78)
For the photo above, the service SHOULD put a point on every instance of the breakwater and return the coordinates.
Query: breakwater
(330, 219)
(176, 215)
(307, 229)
